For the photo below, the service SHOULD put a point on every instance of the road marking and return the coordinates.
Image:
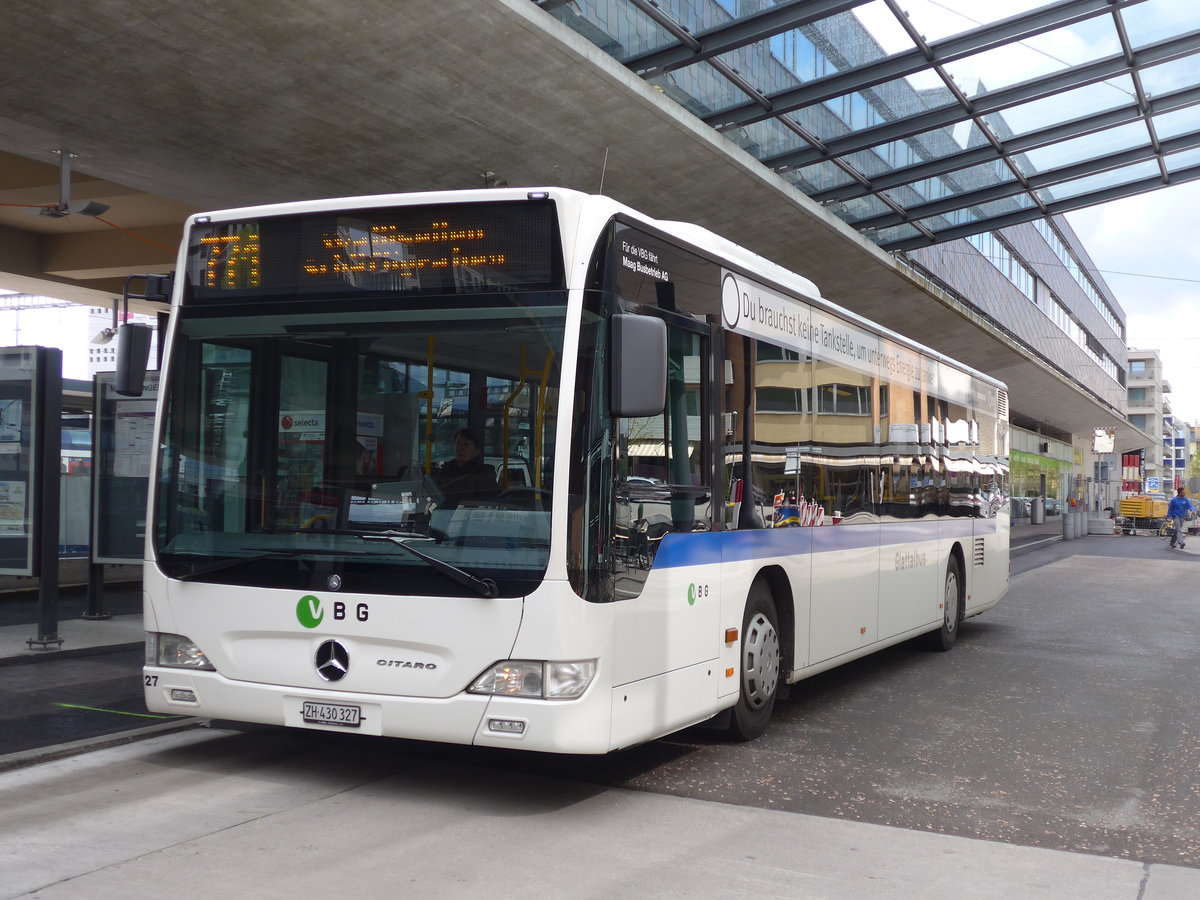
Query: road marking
(115, 712)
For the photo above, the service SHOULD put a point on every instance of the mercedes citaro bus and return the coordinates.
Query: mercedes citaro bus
(698, 482)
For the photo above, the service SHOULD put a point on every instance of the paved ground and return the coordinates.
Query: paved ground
(211, 813)
(89, 688)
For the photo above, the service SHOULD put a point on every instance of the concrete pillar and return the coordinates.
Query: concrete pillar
(1068, 525)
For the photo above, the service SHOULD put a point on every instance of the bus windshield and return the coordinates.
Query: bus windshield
(355, 445)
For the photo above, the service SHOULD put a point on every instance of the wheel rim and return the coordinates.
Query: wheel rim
(950, 603)
(760, 661)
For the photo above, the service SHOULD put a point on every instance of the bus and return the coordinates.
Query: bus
(704, 481)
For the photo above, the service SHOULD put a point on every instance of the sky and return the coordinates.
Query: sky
(65, 328)
(1147, 249)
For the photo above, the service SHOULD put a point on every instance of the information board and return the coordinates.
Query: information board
(122, 447)
(18, 459)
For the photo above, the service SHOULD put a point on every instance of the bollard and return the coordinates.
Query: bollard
(1068, 526)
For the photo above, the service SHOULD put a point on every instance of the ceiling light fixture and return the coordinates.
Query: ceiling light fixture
(65, 207)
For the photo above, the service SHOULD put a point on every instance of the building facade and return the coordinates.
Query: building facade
(1038, 283)
(1149, 410)
(102, 351)
(1176, 451)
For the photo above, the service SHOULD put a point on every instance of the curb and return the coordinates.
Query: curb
(35, 656)
(25, 758)
(1020, 549)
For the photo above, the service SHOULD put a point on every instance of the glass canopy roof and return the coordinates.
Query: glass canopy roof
(933, 120)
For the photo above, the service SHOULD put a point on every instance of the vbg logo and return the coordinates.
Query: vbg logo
(310, 611)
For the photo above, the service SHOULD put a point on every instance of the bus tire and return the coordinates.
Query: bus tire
(952, 607)
(761, 659)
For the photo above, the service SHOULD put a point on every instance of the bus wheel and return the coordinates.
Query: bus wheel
(760, 666)
(952, 608)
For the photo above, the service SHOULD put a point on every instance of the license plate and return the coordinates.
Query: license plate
(331, 714)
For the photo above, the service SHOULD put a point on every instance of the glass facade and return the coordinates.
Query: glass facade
(1026, 281)
(1027, 470)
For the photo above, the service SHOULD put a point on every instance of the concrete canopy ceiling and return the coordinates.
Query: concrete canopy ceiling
(79, 257)
(171, 108)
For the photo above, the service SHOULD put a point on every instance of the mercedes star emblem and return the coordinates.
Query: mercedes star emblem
(332, 661)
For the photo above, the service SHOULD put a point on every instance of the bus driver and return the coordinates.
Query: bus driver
(467, 476)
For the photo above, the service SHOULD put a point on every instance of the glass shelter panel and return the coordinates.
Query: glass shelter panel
(18, 458)
(1020, 64)
(121, 459)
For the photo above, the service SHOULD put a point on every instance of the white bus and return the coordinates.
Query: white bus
(726, 483)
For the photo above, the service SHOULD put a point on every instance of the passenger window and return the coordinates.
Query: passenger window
(909, 482)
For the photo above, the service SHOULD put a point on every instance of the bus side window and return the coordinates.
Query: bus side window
(782, 432)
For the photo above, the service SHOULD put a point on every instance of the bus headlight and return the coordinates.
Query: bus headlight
(537, 679)
(175, 651)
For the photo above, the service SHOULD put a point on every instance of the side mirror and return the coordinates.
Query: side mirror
(133, 341)
(157, 288)
(133, 356)
(638, 365)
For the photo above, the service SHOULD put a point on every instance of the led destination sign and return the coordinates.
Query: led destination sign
(456, 248)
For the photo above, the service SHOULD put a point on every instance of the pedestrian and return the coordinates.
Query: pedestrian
(1179, 510)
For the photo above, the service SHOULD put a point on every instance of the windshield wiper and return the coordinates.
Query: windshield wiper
(485, 587)
(220, 564)
(277, 553)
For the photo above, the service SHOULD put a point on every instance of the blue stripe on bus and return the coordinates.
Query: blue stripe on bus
(709, 547)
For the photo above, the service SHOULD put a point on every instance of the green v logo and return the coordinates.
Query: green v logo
(309, 611)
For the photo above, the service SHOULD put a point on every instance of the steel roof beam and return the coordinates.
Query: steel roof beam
(1015, 28)
(991, 102)
(706, 46)
(1040, 181)
(1083, 201)
(1013, 146)
(739, 33)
